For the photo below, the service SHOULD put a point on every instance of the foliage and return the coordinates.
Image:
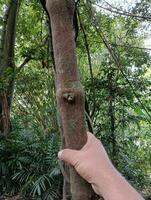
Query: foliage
(28, 165)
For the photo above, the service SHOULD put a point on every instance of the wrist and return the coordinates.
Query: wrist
(112, 185)
(104, 179)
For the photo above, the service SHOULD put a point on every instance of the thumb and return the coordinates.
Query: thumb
(68, 155)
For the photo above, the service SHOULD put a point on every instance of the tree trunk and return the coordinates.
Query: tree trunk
(7, 65)
(4, 115)
(111, 113)
(70, 94)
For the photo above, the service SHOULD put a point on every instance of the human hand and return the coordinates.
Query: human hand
(91, 162)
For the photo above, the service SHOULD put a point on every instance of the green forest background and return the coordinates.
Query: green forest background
(115, 70)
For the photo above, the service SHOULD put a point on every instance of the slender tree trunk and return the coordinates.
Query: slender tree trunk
(4, 114)
(111, 112)
(7, 65)
(70, 94)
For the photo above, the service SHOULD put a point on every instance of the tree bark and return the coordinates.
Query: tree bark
(69, 91)
(7, 65)
(4, 115)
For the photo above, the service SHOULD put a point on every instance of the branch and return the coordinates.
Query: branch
(132, 47)
(121, 12)
(24, 63)
(90, 64)
(88, 119)
(125, 46)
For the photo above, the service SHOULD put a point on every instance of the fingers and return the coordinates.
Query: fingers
(90, 140)
(69, 156)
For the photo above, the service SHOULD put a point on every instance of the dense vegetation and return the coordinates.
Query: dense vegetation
(115, 71)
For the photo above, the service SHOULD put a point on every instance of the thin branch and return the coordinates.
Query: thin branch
(115, 8)
(23, 64)
(123, 11)
(125, 46)
(132, 47)
(41, 31)
(90, 64)
(120, 12)
(88, 119)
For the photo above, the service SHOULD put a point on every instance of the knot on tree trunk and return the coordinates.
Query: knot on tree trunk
(70, 95)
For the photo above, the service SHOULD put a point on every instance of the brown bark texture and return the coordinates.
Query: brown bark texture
(69, 91)
(4, 114)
